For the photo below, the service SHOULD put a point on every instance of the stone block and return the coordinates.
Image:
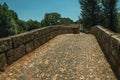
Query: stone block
(43, 40)
(5, 44)
(47, 30)
(48, 37)
(113, 61)
(74, 30)
(14, 54)
(118, 67)
(29, 47)
(59, 32)
(37, 43)
(2, 62)
(50, 29)
(36, 35)
(53, 34)
(105, 41)
(10, 60)
(18, 40)
(44, 30)
(29, 36)
(115, 47)
(54, 28)
(50, 34)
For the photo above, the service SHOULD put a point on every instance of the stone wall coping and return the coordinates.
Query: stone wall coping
(109, 32)
(16, 46)
(110, 44)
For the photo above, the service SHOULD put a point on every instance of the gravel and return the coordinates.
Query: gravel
(66, 57)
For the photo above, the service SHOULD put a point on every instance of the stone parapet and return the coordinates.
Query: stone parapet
(14, 47)
(110, 44)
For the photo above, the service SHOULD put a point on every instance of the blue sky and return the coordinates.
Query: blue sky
(35, 9)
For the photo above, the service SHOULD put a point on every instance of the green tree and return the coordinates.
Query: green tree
(8, 18)
(22, 25)
(4, 19)
(65, 21)
(13, 15)
(110, 14)
(14, 27)
(118, 15)
(50, 19)
(33, 25)
(90, 13)
(79, 21)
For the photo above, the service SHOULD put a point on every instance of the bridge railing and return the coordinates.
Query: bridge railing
(110, 44)
(14, 47)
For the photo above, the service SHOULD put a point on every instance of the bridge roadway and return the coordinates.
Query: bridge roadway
(66, 57)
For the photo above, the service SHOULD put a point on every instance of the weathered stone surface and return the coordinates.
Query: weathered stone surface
(18, 40)
(55, 28)
(37, 43)
(14, 54)
(29, 36)
(10, 57)
(55, 32)
(16, 46)
(104, 38)
(51, 29)
(110, 43)
(118, 67)
(19, 52)
(48, 37)
(47, 30)
(115, 47)
(2, 62)
(43, 40)
(44, 30)
(36, 35)
(29, 46)
(5, 44)
(113, 61)
(59, 32)
(52, 35)
(75, 30)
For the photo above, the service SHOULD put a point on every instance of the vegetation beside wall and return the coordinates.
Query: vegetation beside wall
(10, 24)
(99, 12)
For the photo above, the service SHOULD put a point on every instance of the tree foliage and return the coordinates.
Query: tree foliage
(110, 14)
(118, 15)
(50, 19)
(8, 19)
(10, 24)
(65, 21)
(32, 25)
(22, 25)
(54, 19)
(99, 12)
(90, 13)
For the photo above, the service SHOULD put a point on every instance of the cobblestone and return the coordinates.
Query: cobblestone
(66, 57)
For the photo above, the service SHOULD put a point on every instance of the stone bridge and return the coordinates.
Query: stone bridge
(67, 56)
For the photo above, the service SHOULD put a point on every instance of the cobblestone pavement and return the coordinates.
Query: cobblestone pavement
(66, 57)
